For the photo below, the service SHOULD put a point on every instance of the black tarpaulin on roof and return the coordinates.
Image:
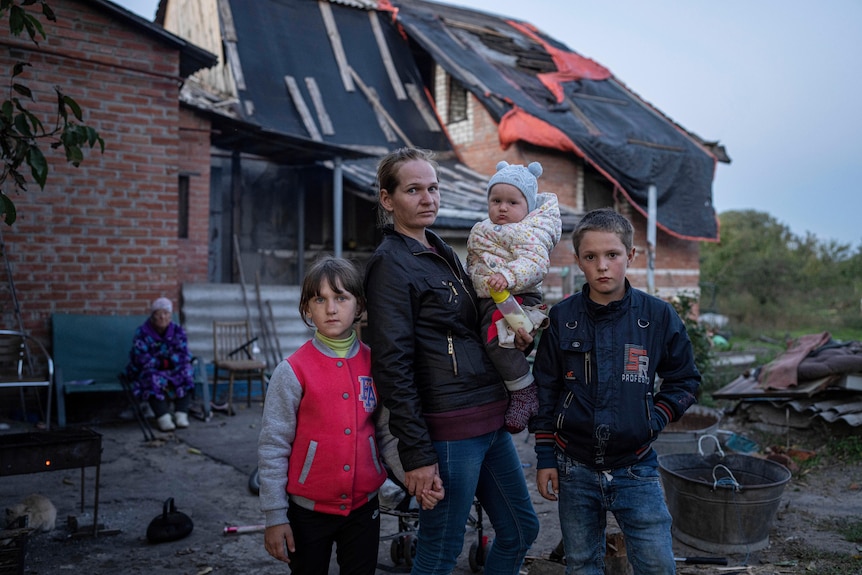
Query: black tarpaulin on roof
(289, 38)
(622, 136)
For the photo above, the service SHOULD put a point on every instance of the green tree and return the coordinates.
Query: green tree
(762, 276)
(21, 131)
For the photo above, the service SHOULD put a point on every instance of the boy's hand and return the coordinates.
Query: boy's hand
(428, 498)
(543, 478)
(498, 282)
(278, 539)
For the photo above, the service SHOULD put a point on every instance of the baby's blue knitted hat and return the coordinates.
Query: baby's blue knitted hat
(522, 178)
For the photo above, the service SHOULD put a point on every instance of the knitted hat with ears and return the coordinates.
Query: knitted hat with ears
(522, 178)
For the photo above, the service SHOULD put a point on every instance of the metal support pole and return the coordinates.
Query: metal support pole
(337, 208)
(651, 238)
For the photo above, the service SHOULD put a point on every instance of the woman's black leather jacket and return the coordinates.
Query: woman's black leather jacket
(423, 329)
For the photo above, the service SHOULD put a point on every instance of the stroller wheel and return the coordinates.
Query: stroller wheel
(254, 482)
(409, 549)
(396, 550)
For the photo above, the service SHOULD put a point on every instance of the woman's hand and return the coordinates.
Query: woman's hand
(420, 480)
(278, 540)
(523, 340)
(428, 499)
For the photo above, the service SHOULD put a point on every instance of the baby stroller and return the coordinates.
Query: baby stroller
(396, 502)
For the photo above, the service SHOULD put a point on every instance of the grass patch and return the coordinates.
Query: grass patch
(847, 449)
(852, 532)
(826, 562)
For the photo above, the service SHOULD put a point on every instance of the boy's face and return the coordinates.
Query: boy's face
(604, 260)
(506, 204)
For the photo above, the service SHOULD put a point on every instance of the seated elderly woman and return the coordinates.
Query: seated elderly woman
(160, 367)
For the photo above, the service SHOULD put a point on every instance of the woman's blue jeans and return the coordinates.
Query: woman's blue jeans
(634, 495)
(489, 468)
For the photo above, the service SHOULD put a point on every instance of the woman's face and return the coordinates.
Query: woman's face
(161, 319)
(415, 201)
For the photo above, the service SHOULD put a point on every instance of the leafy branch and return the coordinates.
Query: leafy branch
(21, 131)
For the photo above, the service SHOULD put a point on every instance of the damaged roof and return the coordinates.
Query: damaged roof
(344, 75)
(543, 93)
(334, 73)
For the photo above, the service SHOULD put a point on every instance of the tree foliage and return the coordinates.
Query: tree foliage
(21, 131)
(761, 274)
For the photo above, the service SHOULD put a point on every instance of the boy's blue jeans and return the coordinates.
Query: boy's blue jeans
(634, 495)
(489, 468)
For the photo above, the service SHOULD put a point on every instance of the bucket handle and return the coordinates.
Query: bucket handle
(724, 481)
(717, 445)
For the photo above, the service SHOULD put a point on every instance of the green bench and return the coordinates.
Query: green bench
(90, 351)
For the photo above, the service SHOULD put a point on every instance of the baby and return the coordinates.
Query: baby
(511, 251)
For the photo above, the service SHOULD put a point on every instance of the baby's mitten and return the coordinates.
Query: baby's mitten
(523, 405)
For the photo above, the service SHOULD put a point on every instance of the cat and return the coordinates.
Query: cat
(40, 512)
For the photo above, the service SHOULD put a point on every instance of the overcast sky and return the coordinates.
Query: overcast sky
(778, 82)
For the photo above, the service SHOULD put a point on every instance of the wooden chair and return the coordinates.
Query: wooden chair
(24, 362)
(232, 357)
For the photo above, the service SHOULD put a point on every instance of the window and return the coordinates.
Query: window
(457, 101)
(183, 207)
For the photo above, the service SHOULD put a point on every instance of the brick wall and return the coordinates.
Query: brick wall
(102, 238)
(194, 162)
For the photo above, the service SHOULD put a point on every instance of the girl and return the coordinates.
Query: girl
(319, 465)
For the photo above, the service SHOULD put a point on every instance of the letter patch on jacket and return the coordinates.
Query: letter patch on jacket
(637, 365)
(368, 395)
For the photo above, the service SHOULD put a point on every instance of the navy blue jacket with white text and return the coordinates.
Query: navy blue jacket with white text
(596, 367)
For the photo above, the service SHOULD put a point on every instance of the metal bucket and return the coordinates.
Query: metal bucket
(722, 503)
(681, 436)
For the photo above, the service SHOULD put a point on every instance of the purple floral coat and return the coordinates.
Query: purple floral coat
(160, 365)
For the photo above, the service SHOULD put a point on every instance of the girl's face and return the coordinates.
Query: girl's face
(333, 313)
(506, 204)
(415, 201)
(603, 258)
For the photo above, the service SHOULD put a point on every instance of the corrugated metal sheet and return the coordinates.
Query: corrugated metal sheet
(202, 304)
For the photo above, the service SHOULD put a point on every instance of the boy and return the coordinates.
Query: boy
(599, 412)
(511, 250)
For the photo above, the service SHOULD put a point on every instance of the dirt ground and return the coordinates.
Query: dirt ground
(206, 469)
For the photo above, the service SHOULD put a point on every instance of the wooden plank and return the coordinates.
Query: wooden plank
(234, 64)
(378, 107)
(302, 108)
(226, 17)
(335, 43)
(418, 98)
(383, 48)
(576, 110)
(317, 99)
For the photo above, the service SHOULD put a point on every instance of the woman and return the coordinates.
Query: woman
(445, 398)
(160, 367)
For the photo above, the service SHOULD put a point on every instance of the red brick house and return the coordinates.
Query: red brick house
(130, 224)
(372, 76)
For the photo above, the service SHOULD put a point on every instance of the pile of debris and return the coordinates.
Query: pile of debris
(816, 377)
